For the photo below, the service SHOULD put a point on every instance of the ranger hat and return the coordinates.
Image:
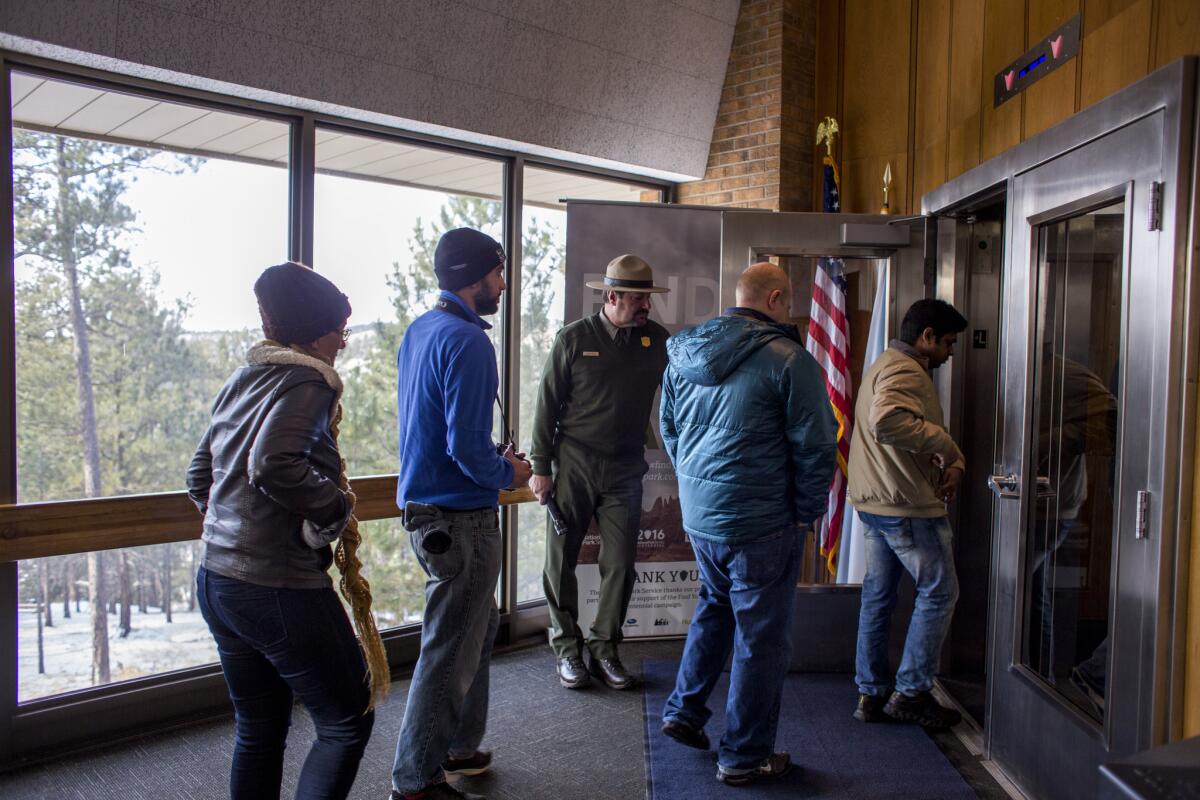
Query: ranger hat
(628, 274)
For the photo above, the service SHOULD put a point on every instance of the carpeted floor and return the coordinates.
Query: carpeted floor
(835, 755)
(549, 744)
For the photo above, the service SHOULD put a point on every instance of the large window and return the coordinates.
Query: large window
(141, 222)
(381, 206)
(140, 226)
(543, 268)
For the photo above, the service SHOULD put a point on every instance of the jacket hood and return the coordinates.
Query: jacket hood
(708, 353)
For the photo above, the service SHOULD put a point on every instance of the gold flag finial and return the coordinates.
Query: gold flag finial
(887, 183)
(825, 133)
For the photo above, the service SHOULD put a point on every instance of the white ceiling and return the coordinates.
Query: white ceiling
(90, 112)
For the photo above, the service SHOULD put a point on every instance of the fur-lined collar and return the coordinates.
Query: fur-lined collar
(268, 352)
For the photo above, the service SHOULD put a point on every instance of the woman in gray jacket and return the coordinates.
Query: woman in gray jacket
(271, 484)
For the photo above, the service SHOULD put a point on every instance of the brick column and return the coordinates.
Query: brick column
(762, 146)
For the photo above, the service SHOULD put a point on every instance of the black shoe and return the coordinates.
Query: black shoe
(612, 672)
(921, 709)
(438, 791)
(572, 673)
(870, 708)
(774, 766)
(475, 764)
(685, 734)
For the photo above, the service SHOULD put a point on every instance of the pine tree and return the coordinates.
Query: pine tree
(84, 310)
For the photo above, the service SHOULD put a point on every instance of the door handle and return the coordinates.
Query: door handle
(1005, 485)
(1010, 485)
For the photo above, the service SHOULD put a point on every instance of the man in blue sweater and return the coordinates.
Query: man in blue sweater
(450, 476)
(747, 423)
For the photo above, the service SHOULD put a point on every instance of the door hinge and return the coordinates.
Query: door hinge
(1141, 518)
(1156, 190)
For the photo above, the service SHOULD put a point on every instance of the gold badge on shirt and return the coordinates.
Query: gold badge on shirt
(645, 341)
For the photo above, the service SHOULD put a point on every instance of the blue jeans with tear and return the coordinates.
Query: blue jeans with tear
(747, 593)
(446, 712)
(924, 549)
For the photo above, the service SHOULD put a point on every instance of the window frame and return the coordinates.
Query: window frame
(43, 727)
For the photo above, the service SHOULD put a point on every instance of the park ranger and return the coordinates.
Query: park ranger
(589, 435)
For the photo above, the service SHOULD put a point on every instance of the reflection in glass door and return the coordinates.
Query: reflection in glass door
(1068, 553)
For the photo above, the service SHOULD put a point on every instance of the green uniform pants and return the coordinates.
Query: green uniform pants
(587, 487)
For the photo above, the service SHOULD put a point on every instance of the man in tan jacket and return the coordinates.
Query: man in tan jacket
(904, 468)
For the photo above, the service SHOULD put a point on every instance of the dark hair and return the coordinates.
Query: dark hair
(937, 314)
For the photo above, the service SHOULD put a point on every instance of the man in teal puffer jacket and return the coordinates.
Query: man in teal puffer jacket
(747, 423)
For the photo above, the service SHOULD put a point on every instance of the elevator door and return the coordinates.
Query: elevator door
(1086, 296)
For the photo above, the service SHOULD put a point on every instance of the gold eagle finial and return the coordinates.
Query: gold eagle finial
(825, 133)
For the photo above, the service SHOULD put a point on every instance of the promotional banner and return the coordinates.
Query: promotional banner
(683, 246)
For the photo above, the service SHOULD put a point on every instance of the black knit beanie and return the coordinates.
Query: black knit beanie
(297, 305)
(463, 256)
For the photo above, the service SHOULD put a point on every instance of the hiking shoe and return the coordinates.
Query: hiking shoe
(437, 791)
(921, 709)
(475, 764)
(613, 673)
(685, 734)
(870, 708)
(774, 766)
(572, 673)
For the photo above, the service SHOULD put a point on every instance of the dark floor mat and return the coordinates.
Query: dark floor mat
(839, 756)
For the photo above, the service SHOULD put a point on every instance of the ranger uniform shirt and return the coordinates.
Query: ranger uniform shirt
(598, 393)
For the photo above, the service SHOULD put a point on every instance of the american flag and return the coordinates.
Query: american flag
(829, 343)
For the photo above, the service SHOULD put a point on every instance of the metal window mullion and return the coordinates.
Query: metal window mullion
(514, 188)
(302, 169)
(8, 422)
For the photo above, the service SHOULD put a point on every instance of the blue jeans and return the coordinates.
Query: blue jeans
(446, 713)
(747, 592)
(276, 643)
(923, 548)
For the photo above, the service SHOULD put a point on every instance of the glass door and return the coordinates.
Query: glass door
(1086, 298)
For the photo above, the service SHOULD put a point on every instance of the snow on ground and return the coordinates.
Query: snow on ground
(152, 646)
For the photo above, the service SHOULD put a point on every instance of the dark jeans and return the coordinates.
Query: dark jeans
(276, 643)
(747, 593)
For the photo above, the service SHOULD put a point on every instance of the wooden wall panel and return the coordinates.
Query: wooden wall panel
(875, 100)
(1003, 40)
(931, 102)
(966, 87)
(1052, 99)
(1178, 30)
(1116, 46)
(828, 84)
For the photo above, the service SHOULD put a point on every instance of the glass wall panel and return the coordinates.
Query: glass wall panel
(140, 226)
(1068, 556)
(543, 268)
(147, 623)
(381, 206)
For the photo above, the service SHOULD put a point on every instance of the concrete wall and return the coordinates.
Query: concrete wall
(628, 84)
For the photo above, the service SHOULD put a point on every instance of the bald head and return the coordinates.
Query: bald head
(766, 288)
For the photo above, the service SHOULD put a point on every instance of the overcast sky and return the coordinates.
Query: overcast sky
(210, 233)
